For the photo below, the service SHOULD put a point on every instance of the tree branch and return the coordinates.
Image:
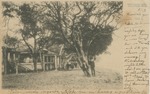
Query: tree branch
(29, 46)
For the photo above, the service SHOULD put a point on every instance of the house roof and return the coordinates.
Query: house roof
(55, 49)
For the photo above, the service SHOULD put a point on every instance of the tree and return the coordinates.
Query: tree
(12, 42)
(29, 16)
(85, 27)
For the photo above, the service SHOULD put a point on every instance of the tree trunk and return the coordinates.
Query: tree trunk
(86, 72)
(83, 63)
(85, 59)
(92, 68)
(87, 67)
(89, 70)
(35, 55)
(40, 53)
(35, 62)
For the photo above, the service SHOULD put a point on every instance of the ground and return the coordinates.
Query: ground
(105, 79)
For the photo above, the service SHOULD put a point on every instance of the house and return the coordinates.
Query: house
(19, 60)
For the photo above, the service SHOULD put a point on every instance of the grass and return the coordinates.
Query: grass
(105, 79)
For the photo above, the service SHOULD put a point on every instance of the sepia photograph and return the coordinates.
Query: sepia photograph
(54, 45)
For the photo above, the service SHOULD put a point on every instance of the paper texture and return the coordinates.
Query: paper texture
(123, 68)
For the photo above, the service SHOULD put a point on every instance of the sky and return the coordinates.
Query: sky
(114, 59)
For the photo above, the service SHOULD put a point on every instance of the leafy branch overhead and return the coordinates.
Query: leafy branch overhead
(84, 24)
(85, 28)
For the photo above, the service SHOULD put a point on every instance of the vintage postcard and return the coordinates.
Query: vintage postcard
(74, 47)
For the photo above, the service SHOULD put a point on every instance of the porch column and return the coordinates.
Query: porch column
(9, 61)
(5, 59)
(55, 60)
(8, 56)
(14, 57)
(47, 63)
(43, 63)
(58, 61)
